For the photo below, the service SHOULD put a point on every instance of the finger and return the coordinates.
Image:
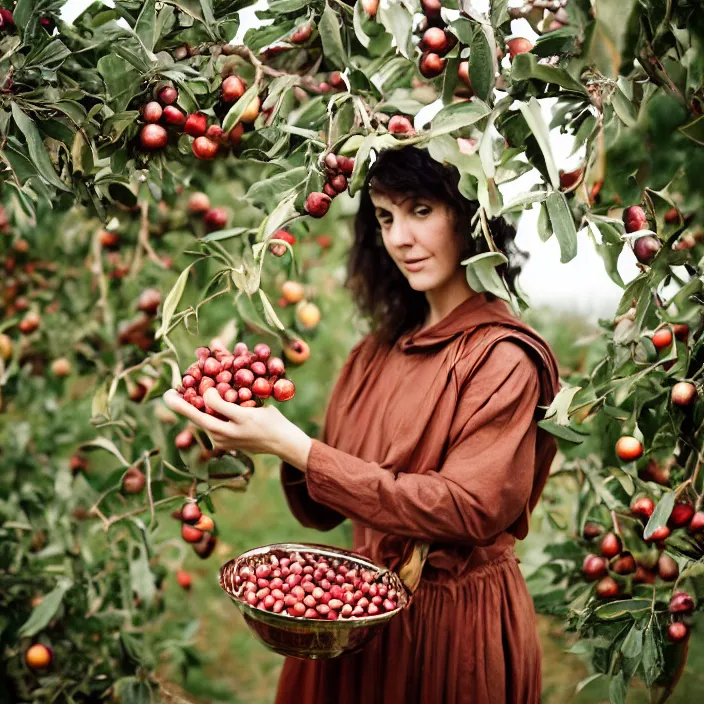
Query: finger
(229, 410)
(179, 405)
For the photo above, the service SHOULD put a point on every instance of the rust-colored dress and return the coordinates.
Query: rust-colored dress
(435, 439)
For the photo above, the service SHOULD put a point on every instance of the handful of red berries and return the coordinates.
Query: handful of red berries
(241, 377)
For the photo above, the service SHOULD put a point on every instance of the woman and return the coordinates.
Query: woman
(430, 446)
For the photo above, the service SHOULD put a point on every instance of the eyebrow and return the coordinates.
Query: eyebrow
(411, 197)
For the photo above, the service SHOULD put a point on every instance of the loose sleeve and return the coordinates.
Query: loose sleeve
(484, 482)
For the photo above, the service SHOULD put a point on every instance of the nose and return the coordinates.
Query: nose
(400, 233)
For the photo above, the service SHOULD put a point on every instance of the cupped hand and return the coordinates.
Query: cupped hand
(253, 430)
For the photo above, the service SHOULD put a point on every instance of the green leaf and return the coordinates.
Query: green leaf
(545, 231)
(456, 116)
(560, 406)
(610, 248)
(269, 190)
(42, 614)
(526, 66)
(269, 312)
(499, 13)
(397, 21)
(372, 141)
(562, 225)
(225, 234)
(632, 645)
(661, 514)
(108, 445)
(330, 36)
(532, 115)
(358, 19)
(235, 112)
(37, 151)
(652, 656)
(617, 688)
(563, 432)
(172, 300)
(141, 575)
(623, 108)
(619, 609)
(481, 65)
(145, 28)
(121, 81)
(694, 130)
(483, 276)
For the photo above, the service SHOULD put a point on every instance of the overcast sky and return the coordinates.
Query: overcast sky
(581, 285)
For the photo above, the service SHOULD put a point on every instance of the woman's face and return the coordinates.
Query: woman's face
(420, 236)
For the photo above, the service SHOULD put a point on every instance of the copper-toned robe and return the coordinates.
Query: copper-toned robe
(435, 439)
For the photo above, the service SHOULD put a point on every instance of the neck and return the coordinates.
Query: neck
(444, 300)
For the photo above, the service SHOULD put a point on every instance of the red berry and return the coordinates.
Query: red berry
(133, 481)
(593, 567)
(284, 390)
(152, 112)
(634, 219)
(519, 45)
(261, 388)
(606, 588)
(628, 448)
(400, 124)
(677, 632)
(153, 137)
(645, 248)
(317, 204)
(435, 40)
(184, 579)
(244, 377)
(681, 514)
(195, 124)
(697, 522)
(184, 440)
(173, 116)
(204, 148)
(302, 34)
(681, 603)
(610, 545)
(659, 533)
(667, 568)
(643, 506)
(339, 183)
(190, 533)
(190, 513)
(233, 88)
(215, 218)
(683, 394)
(168, 95)
(276, 366)
(662, 338)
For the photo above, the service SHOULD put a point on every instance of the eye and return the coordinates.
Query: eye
(422, 210)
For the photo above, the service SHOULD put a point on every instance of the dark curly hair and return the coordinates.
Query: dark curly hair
(378, 287)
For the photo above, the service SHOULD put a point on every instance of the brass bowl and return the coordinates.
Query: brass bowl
(306, 638)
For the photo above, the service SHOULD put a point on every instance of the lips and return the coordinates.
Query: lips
(414, 261)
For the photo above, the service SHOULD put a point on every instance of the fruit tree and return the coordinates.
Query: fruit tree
(152, 169)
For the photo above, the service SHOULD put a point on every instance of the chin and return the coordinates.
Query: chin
(422, 282)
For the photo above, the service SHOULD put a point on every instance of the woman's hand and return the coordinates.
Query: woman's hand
(252, 430)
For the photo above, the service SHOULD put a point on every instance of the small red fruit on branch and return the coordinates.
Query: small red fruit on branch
(634, 219)
(184, 440)
(606, 588)
(594, 567)
(592, 530)
(683, 394)
(190, 513)
(431, 65)
(643, 506)
(645, 248)
(400, 124)
(196, 124)
(370, 7)
(667, 568)
(681, 514)
(681, 603)
(205, 523)
(677, 632)
(434, 39)
(697, 522)
(184, 579)
(215, 218)
(173, 116)
(190, 533)
(302, 34)
(152, 112)
(168, 95)
(662, 338)
(233, 88)
(519, 45)
(153, 137)
(38, 656)
(205, 148)
(610, 545)
(659, 534)
(317, 204)
(198, 203)
(149, 301)
(297, 351)
(628, 448)
(133, 481)
(624, 565)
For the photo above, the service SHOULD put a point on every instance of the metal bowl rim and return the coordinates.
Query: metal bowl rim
(358, 622)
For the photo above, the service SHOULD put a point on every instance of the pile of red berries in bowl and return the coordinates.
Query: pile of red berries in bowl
(241, 377)
(311, 601)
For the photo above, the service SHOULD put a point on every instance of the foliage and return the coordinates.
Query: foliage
(77, 170)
